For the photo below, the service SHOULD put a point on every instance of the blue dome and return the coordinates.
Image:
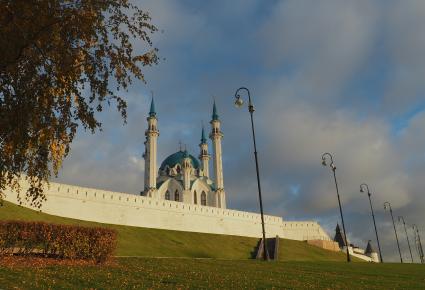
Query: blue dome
(177, 158)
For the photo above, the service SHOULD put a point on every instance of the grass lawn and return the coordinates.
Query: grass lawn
(142, 273)
(301, 265)
(134, 241)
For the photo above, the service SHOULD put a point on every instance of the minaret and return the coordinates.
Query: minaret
(187, 170)
(151, 134)
(216, 136)
(203, 156)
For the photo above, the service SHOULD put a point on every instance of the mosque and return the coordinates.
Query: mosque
(181, 176)
(179, 195)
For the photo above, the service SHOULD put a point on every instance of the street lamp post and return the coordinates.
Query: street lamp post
(238, 104)
(333, 167)
(401, 219)
(387, 205)
(362, 186)
(419, 244)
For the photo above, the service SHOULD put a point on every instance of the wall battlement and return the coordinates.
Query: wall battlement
(127, 209)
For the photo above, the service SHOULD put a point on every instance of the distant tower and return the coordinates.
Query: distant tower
(339, 237)
(370, 252)
(216, 136)
(204, 156)
(151, 134)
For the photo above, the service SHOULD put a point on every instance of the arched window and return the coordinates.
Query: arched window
(177, 196)
(167, 195)
(195, 197)
(178, 169)
(203, 198)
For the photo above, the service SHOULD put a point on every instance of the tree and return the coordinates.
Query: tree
(61, 62)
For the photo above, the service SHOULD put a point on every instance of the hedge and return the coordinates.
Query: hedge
(59, 241)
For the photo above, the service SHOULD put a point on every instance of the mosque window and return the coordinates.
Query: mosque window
(203, 198)
(177, 196)
(178, 169)
(167, 195)
(195, 198)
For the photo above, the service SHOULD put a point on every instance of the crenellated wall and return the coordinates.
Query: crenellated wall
(132, 210)
(304, 230)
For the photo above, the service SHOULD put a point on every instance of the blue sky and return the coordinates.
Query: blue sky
(346, 77)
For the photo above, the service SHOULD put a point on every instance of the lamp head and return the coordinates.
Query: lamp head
(361, 189)
(238, 102)
(333, 166)
(324, 162)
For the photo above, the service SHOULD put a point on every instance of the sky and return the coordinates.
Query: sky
(346, 77)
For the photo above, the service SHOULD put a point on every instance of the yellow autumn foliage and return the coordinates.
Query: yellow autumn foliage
(57, 62)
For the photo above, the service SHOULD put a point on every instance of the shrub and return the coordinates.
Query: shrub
(60, 241)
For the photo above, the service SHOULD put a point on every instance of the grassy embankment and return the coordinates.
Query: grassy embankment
(320, 269)
(178, 273)
(134, 241)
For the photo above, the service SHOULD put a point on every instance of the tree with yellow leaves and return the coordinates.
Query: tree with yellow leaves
(58, 62)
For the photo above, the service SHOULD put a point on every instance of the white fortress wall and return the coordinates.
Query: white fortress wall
(304, 230)
(131, 210)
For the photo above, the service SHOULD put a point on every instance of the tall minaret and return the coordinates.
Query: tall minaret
(204, 156)
(151, 134)
(216, 136)
(187, 170)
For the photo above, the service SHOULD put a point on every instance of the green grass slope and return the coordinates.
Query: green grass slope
(135, 241)
(175, 273)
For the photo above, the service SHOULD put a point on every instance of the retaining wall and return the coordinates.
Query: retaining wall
(132, 210)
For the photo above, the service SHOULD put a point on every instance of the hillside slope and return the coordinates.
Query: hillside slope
(134, 241)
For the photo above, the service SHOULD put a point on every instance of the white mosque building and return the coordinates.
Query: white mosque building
(179, 195)
(181, 176)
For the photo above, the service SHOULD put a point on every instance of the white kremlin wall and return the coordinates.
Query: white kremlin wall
(131, 210)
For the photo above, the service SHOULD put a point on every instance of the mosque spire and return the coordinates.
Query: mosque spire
(151, 134)
(203, 155)
(214, 114)
(216, 136)
(203, 139)
(152, 112)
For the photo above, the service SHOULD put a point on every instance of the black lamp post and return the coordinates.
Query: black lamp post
(333, 167)
(238, 104)
(401, 219)
(387, 205)
(419, 244)
(362, 186)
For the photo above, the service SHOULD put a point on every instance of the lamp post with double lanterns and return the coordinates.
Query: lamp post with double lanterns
(387, 205)
(364, 186)
(401, 220)
(239, 103)
(333, 167)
